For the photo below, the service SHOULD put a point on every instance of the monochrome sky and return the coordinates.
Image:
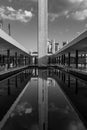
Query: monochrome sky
(67, 19)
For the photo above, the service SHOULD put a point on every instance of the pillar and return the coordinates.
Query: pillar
(76, 58)
(69, 59)
(59, 60)
(25, 60)
(16, 59)
(64, 59)
(3, 59)
(29, 60)
(8, 59)
(13, 60)
(42, 32)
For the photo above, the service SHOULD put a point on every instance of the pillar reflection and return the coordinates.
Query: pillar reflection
(76, 88)
(43, 101)
(68, 80)
(9, 90)
(16, 83)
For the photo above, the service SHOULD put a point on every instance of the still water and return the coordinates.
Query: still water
(43, 100)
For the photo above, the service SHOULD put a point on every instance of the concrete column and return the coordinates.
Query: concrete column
(13, 61)
(29, 60)
(59, 60)
(25, 60)
(8, 59)
(64, 59)
(76, 58)
(56, 60)
(69, 59)
(16, 59)
(3, 59)
(35, 60)
(42, 32)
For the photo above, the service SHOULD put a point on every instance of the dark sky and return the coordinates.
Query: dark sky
(67, 19)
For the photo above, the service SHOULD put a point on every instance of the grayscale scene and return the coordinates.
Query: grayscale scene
(43, 64)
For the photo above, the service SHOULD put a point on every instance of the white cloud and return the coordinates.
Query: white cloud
(10, 0)
(53, 16)
(10, 8)
(76, 1)
(28, 13)
(80, 15)
(79, 10)
(18, 15)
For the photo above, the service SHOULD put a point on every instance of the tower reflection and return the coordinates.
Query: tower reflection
(43, 100)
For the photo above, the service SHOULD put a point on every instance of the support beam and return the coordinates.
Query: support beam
(64, 59)
(25, 60)
(76, 58)
(69, 59)
(8, 59)
(16, 59)
(59, 60)
(42, 32)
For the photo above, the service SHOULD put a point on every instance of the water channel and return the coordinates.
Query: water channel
(43, 100)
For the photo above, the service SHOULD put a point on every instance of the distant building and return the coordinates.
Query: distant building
(34, 58)
(52, 47)
(1, 24)
(56, 47)
(49, 47)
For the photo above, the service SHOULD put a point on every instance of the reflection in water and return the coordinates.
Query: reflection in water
(22, 108)
(9, 90)
(76, 126)
(44, 106)
(16, 84)
(50, 82)
(68, 80)
(76, 90)
(43, 101)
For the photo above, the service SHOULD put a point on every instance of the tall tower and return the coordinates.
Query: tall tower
(42, 32)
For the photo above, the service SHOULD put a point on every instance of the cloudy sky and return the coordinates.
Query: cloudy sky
(67, 19)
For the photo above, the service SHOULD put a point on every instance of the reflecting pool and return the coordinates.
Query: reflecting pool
(45, 101)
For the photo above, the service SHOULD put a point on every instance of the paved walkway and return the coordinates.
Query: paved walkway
(67, 69)
(5, 71)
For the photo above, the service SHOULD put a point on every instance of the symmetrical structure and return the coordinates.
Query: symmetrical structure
(42, 32)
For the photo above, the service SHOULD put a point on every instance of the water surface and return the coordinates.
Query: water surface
(44, 105)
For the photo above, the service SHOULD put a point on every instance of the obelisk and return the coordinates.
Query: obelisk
(42, 32)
